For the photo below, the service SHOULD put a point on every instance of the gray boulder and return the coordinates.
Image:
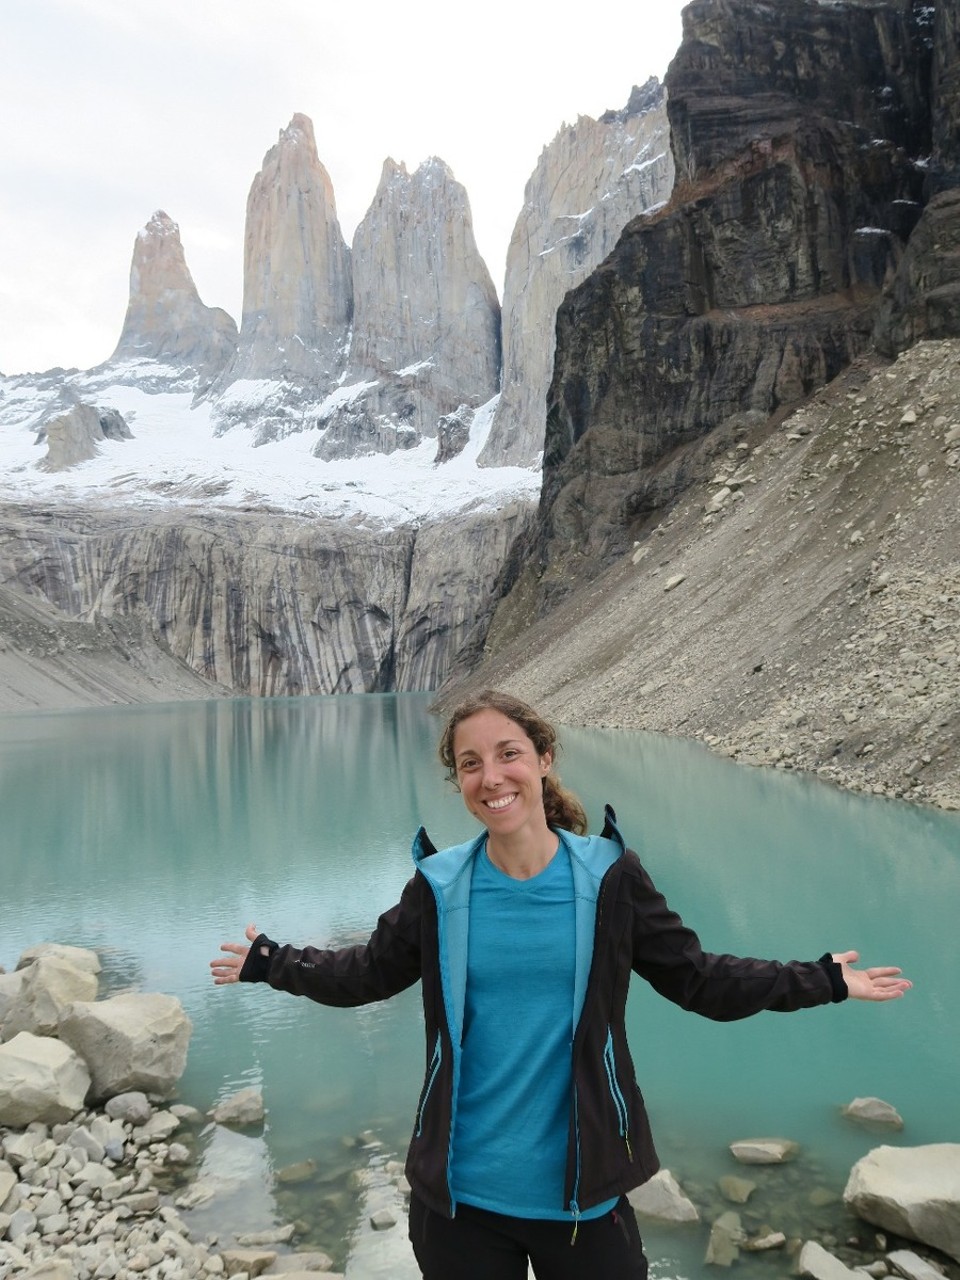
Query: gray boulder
(40, 1079)
(130, 1042)
(911, 1191)
(47, 987)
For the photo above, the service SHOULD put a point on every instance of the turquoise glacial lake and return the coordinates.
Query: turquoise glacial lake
(154, 833)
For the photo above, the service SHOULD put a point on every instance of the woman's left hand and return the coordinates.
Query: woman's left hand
(870, 984)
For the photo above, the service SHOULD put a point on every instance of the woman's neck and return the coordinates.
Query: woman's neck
(524, 854)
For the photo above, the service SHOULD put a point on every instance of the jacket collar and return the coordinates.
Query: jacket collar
(449, 873)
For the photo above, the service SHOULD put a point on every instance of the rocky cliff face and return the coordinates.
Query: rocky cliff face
(426, 329)
(268, 605)
(169, 340)
(592, 179)
(799, 132)
(297, 291)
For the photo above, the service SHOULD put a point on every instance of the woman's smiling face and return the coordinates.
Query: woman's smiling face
(499, 773)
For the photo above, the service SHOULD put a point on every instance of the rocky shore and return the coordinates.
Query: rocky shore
(102, 1178)
(798, 607)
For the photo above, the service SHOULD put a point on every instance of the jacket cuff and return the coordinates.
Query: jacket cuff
(256, 967)
(834, 973)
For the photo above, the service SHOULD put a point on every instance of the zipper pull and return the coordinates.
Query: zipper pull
(576, 1222)
(626, 1138)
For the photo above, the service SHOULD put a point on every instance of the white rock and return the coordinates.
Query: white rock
(382, 1220)
(132, 1041)
(764, 1150)
(815, 1261)
(251, 1261)
(80, 957)
(50, 1269)
(910, 1265)
(761, 1244)
(674, 581)
(241, 1108)
(40, 1079)
(661, 1197)
(132, 1107)
(157, 1129)
(22, 1222)
(10, 985)
(873, 1111)
(83, 1140)
(912, 1191)
(49, 985)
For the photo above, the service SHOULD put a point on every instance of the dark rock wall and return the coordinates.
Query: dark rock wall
(801, 133)
(945, 168)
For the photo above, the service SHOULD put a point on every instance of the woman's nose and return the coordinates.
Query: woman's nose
(491, 774)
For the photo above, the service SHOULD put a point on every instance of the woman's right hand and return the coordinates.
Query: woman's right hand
(227, 968)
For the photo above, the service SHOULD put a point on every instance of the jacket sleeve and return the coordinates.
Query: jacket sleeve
(723, 987)
(383, 966)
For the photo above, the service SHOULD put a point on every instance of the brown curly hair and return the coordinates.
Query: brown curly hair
(561, 806)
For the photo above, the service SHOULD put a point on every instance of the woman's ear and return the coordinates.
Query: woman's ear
(546, 761)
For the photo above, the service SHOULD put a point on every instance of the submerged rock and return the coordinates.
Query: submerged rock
(815, 1261)
(873, 1111)
(242, 1108)
(764, 1150)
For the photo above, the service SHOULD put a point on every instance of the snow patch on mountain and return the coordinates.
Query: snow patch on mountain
(176, 458)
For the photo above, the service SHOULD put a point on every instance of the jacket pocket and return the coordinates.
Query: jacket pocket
(616, 1093)
(428, 1084)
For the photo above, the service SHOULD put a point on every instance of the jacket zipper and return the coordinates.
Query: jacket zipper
(574, 1206)
(619, 1102)
(434, 1069)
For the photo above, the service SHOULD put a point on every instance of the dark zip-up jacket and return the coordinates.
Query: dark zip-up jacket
(623, 926)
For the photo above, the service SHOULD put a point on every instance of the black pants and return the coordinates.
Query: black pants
(477, 1245)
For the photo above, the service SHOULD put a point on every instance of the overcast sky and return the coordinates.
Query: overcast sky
(110, 109)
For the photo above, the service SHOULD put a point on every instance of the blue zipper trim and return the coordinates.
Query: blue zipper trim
(434, 1069)
(454, 1031)
(609, 1063)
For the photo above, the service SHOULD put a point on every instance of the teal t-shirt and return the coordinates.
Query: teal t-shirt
(513, 1106)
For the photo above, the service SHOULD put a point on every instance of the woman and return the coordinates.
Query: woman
(530, 1128)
